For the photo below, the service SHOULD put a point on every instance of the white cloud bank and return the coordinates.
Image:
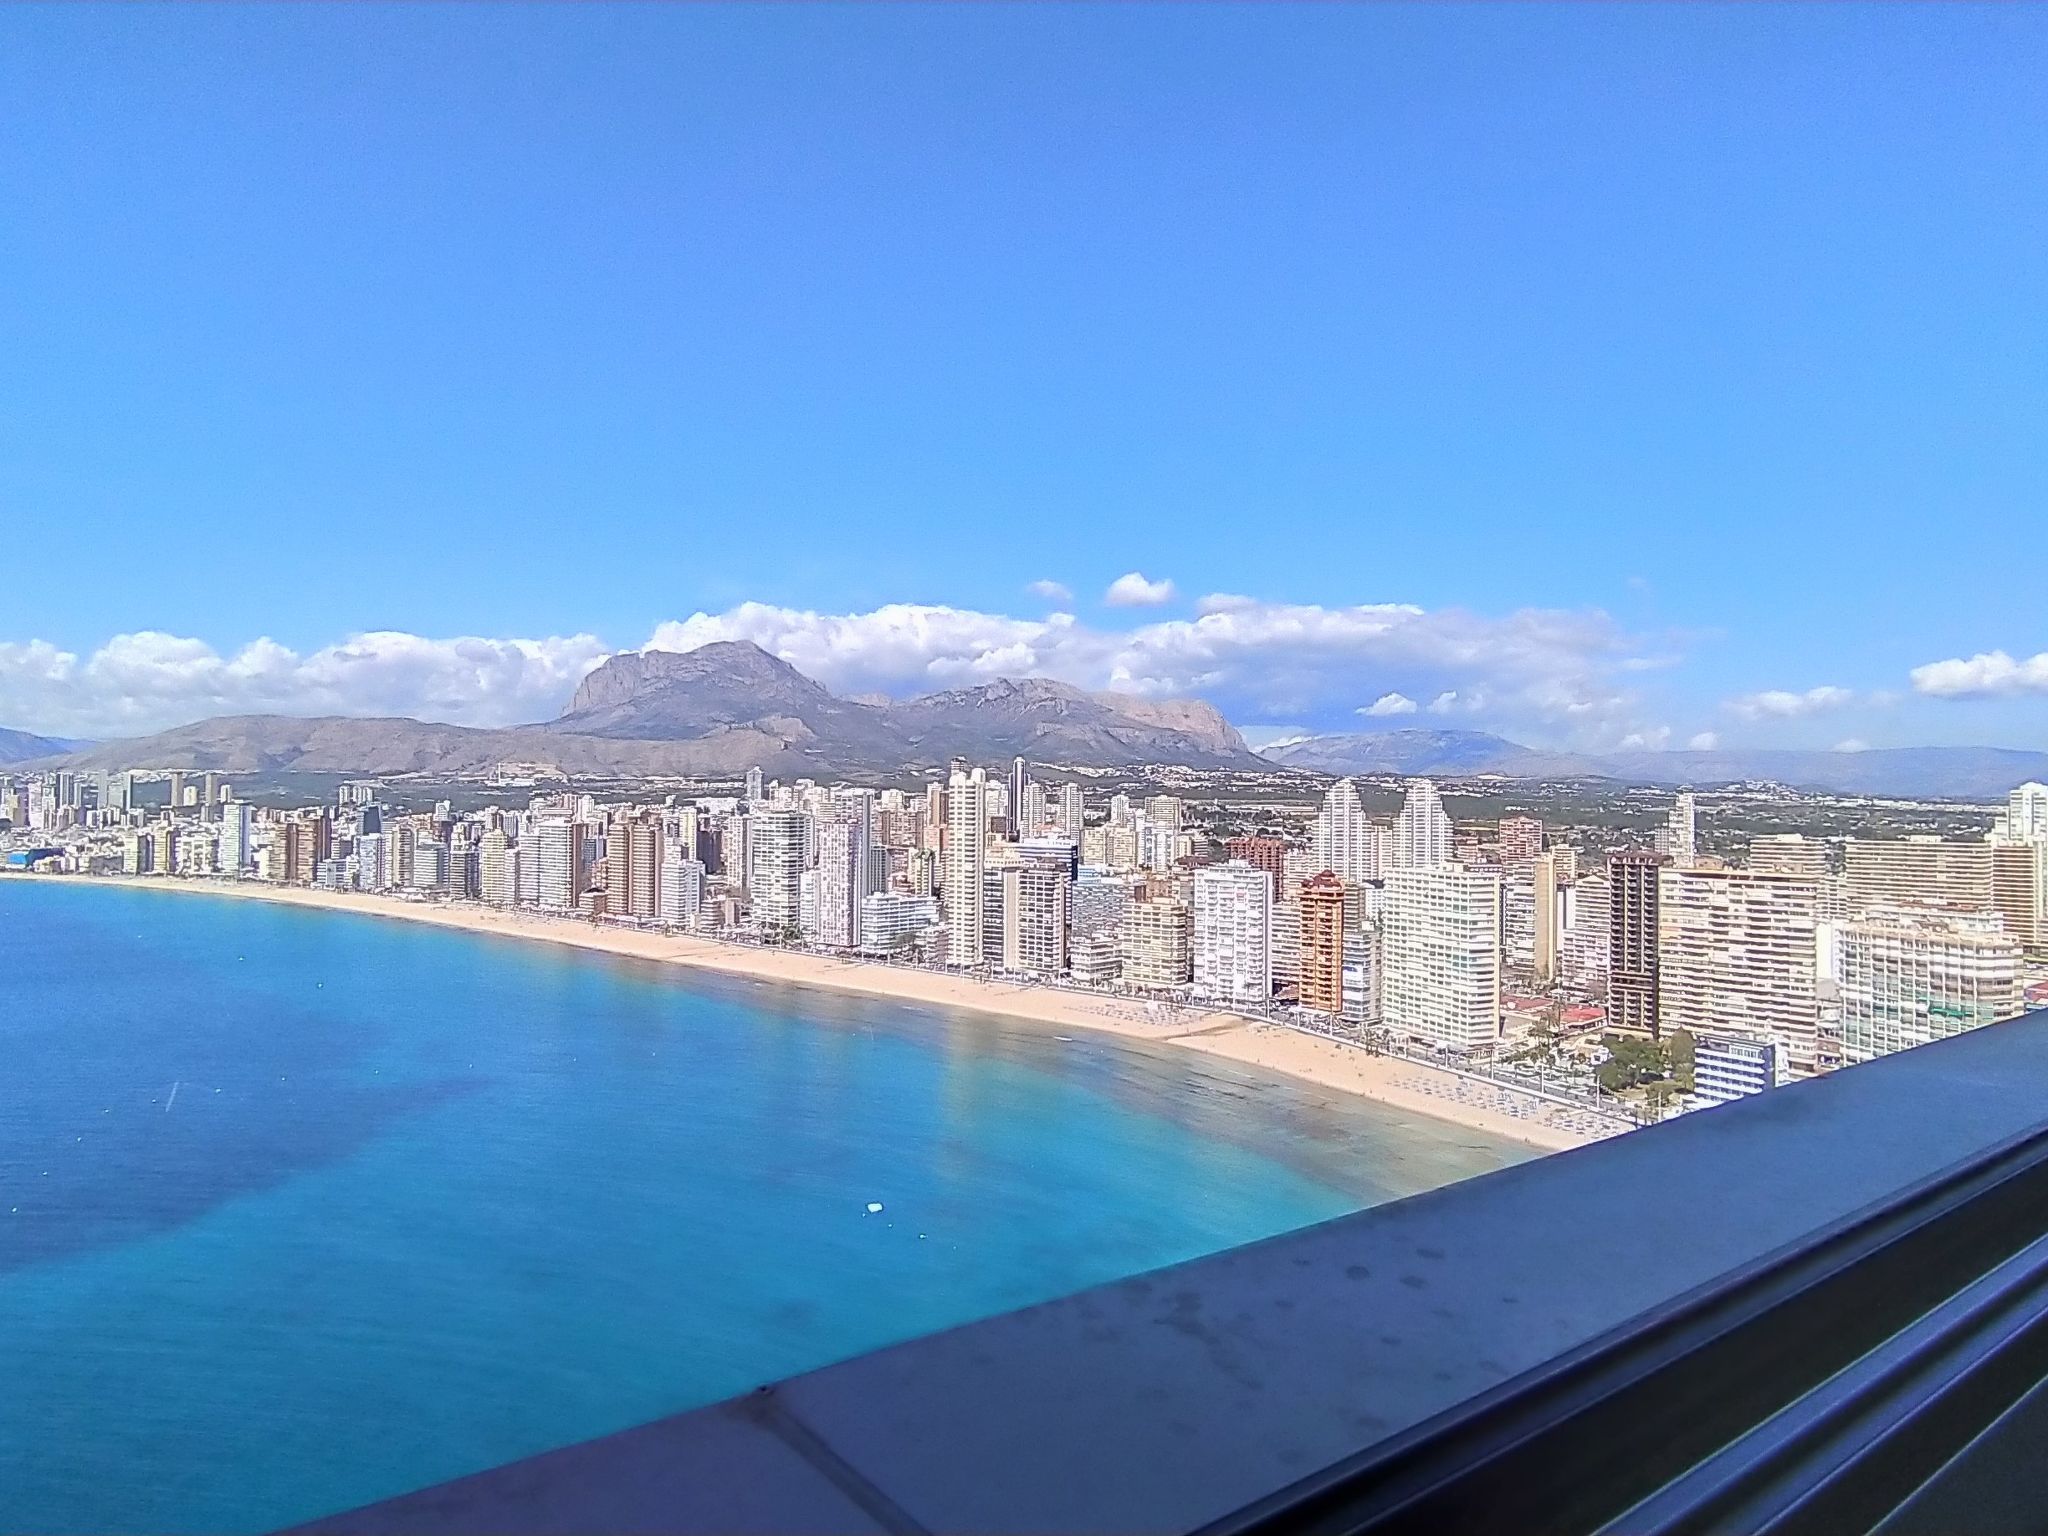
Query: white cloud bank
(1389, 704)
(146, 681)
(1987, 675)
(1782, 704)
(1551, 674)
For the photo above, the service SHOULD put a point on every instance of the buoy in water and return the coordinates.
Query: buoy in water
(874, 1207)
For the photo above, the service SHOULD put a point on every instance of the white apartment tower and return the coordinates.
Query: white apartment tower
(776, 885)
(1422, 832)
(498, 868)
(1072, 814)
(682, 888)
(963, 858)
(842, 880)
(2026, 815)
(561, 863)
(1440, 955)
(1233, 934)
(1343, 841)
(1736, 952)
(235, 851)
(1909, 977)
(1679, 837)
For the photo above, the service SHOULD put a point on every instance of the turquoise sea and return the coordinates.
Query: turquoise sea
(300, 1209)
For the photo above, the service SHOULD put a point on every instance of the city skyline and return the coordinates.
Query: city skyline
(1593, 405)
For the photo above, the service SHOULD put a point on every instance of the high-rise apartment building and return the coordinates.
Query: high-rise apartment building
(1285, 947)
(1422, 832)
(1343, 841)
(236, 850)
(498, 868)
(1679, 838)
(560, 865)
(1157, 940)
(1020, 776)
(1521, 839)
(1073, 815)
(681, 888)
(1034, 919)
(1587, 934)
(2019, 891)
(1266, 853)
(1921, 871)
(1543, 898)
(776, 886)
(1736, 951)
(1322, 944)
(1233, 923)
(1440, 955)
(430, 867)
(842, 880)
(1633, 1002)
(2025, 818)
(308, 843)
(963, 858)
(1911, 976)
(1787, 853)
(632, 858)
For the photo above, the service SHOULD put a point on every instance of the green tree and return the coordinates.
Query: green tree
(1630, 1062)
(1678, 1059)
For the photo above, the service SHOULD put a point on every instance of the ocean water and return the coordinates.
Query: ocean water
(300, 1209)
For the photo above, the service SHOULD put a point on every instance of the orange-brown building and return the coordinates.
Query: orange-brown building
(1322, 944)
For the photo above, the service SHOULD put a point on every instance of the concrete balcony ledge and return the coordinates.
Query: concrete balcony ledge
(1184, 1398)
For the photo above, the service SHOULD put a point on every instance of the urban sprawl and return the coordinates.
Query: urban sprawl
(1652, 979)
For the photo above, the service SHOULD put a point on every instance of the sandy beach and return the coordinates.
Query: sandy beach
(1411, 1087)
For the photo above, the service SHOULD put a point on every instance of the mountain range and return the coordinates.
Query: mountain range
(1971, 773)
(717, 710)
(729, 706)
(21, 747)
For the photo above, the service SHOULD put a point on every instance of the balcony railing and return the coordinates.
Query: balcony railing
(1818, 1309)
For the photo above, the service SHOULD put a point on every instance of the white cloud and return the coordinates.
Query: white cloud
(1444, 702)
(1052, 592)
(146, 681)
(1390, 704)
(1261, 738)
(1781, 704)
(1539, 673)
(1651, 738)
(1852, 744)
(1989, 674)
(1705, 741)
(1132, 590)
(1546, 669)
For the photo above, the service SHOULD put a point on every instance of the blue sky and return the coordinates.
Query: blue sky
(1593, 375)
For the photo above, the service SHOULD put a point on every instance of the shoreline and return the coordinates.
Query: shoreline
(1395, 1083)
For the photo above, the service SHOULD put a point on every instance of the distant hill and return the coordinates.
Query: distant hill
(719, 709)
(21, 747)
(1448, 753)
(1970, 773)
